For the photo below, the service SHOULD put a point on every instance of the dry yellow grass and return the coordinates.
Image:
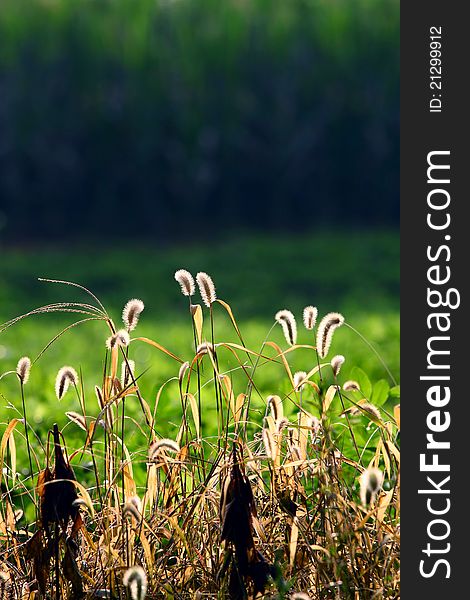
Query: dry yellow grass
(269, 507)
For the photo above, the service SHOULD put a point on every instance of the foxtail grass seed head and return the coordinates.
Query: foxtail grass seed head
(65, 377)
(186, 281)
(81, 503)
(127, 372)
(206, 288)
(131, 313)
(282, 424)
(163, 444)
(370, 482)
(268, 443)
(310, 316)
(295, 453)
(120, 338)
(371, 410)
(182, 372)
(336, 363)
(133, 507)
(135, 580)
(314, 427)
(351, 386)
(327, 327)
(299, 596)
(205, 348)
(78, 419)
(289, 327)
(275, 405)
(23, 369)
(299, 380)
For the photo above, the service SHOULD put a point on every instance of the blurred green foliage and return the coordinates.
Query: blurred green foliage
(159, 117)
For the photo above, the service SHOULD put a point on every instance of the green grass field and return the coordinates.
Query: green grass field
(353, 273)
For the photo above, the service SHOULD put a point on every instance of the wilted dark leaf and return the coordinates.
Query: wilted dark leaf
(237, 509)
(56, 490)
(71, 572)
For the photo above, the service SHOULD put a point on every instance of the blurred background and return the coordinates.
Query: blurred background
(257, 140)
(167, 118)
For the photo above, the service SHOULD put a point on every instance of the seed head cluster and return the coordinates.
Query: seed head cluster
(289, 327)
(65, 377)
(206, 289)
(23, 369)
(310, 316)
(131, 313)
(119, 339)
(186, 281)
(326, 329)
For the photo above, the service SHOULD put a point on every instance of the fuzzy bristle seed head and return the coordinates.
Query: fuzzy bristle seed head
(205, 348)
(268, 443)
(120, 338)
(370, 482)
(315, 426)
(289, 326)
(163, 444)
(23, 369)
(135, 580)
(78, 419)
(327, 327)
(310, 316)
(131, 313)
(275, 405)
(206, 288)
(65, 377)
(186, 281)
(133, 507)
(299, 380)
(336, 363)
(371, 411)
(351, 386)
(295, 453)
(182, 372)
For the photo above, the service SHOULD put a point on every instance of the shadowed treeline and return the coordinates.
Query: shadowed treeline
(160, 118)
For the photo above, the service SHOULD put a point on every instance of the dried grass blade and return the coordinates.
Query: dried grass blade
(396, 414)
(238, 408)
(383, 504)
(5, 437)
(329, 396)
(159, 347)
(230, 314)
(198, 319)
(284, 360)
(194, 411)
(293, 541)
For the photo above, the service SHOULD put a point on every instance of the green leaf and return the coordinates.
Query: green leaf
(380, 392)
(395, 392)
(360, 376)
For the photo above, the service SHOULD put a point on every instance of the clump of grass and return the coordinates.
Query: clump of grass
(280, 497)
